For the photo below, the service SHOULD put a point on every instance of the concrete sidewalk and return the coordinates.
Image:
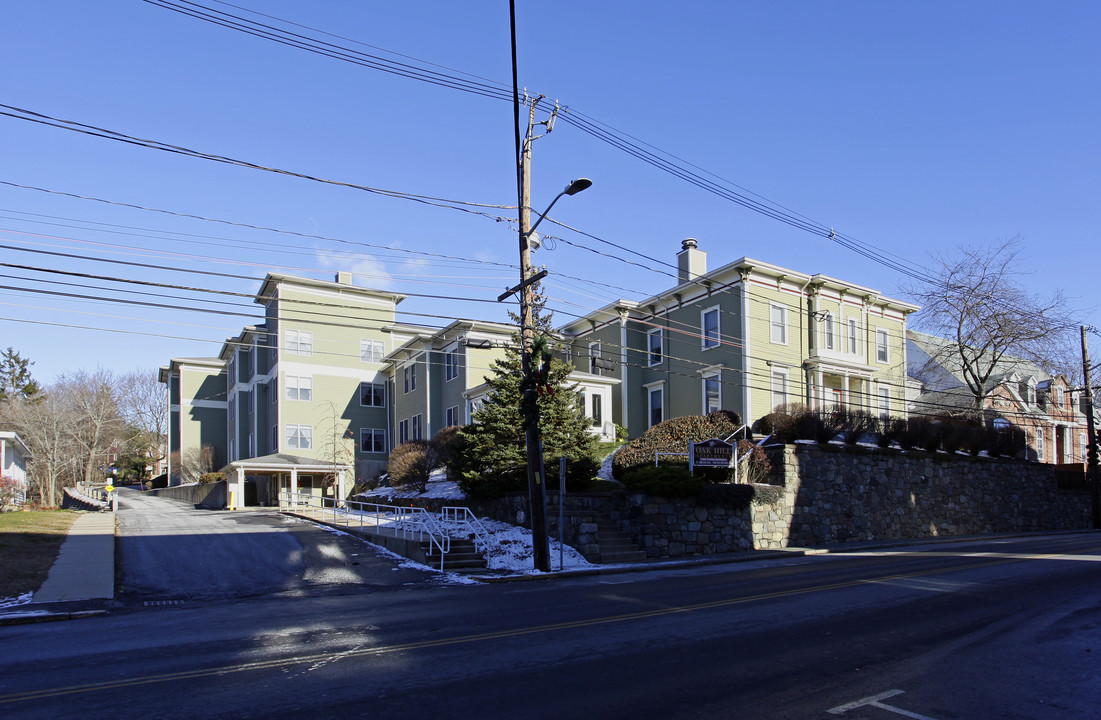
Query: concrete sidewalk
(84, 571)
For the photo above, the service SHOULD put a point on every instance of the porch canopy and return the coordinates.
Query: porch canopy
(279, 466)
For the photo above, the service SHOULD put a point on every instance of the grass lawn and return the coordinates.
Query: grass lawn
(29, 544)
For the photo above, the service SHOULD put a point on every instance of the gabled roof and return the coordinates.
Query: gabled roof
(1008, 368)
(273, 280)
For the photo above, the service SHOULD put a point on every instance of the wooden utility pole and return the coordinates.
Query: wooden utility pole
(1091, 435)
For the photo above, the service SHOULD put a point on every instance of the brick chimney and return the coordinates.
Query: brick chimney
(691, 262)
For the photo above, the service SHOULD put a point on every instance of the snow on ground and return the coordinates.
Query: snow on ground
(12, 602)
(438, 487)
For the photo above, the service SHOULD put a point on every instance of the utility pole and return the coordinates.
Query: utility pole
(1091, 434)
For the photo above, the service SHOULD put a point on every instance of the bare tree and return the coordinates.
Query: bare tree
(143, 403)
(337, 445)
(43, 426)
(974, 299)
(91, 402)
(193, 463)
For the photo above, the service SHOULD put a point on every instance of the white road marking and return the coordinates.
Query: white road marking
(874, 701)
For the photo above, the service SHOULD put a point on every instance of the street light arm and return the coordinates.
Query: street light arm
(572, 189)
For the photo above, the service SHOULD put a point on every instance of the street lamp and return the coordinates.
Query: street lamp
(572, 189)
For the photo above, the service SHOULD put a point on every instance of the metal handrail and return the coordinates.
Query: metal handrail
(484, 540)
(410, 522)
(743, 427)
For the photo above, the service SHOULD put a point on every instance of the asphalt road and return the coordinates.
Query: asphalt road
(168, 552)
(996, 629)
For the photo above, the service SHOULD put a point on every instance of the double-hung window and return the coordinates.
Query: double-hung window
(299, 437)
(451, 364)
(884, 401)
(827, 331)
(299, 387)
(451, 416)
(854, 347)
(712, 393)
(299, 342)
(654, 348)
(403, 432)
(779, 388)
(778, 324)
(594, 357)
(409, 375)
(656, 403)
(372, 440)
(372, 394)
(882, 353)
(417, 430)
(709, 327)
(598, 410)
(1040, 444)
(370, 351)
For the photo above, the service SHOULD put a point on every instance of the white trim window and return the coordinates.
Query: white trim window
(712, 393)
(372, 394)
(299, 437)
(451, 416)
(371, 351)
(828, 339)
(416, 431)
(778, 324)
(655, 396)
(882, 346)
(883, 399)
(655, 351)
(709, 327)
(299, 387)
(298, 342)
(597, 413)
(854, 345)
(274, 439)
(779, 387)
(451, 364)
(409, 375)
(372, 440)
(1040, 444)
(403, 431)
(594, 356)
(1084, 444)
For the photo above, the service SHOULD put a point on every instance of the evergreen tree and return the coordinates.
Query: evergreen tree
(489, 455)
(15, 377)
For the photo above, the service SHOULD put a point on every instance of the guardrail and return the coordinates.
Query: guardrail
(406, 522)
(463, 520)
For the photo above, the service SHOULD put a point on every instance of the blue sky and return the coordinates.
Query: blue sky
(911, 127)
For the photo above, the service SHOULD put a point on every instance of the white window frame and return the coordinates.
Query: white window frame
(295, 387)
(781, 375)
(597, 410)
(777, 324)
(371, 351)
(377, 442)
(1040, 444)
(883, 401)
(854, 344)
(708, 339)
(829, 338)
(654, 355)
(716, 378)
(652, 390)
(882, 346)
(594, 355)
(377, 391)
(275, 438)
(1084, 444)
(409, 377)
(416, 427)
(298, 342)
(299, 437)
(451, 364)
(403, 431)
(451, 416)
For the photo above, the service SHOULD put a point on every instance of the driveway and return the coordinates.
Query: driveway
(168, 550)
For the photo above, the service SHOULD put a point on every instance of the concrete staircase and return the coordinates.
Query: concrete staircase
(614, 545)
(463, 557)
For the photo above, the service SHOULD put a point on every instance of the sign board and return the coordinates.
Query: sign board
(109, 488)
(712, 453)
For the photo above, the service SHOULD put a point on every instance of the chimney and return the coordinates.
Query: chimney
(344, 277)
(691, 263)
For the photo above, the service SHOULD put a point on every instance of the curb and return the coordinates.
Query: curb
(26, 618)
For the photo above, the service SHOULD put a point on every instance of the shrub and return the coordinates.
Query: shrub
(673, 436)
(827, 423)
(670, 481)
(925, 433)
(210, 477)
(784, 423)
(411, 464)
(855, 424)
(756, 468)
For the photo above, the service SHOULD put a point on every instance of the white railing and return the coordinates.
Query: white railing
(466, 522)
(405, 522)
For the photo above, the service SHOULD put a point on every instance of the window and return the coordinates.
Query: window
(243, 365)
(827, 331)
(1083, 442)
(1039, 444)
(712, 399)
(779, 388)
(251, 447)
(656, 404)
(299, 388)
(1060, 399)
(299, 437)
(249, 396)
(403, 432)
(372, 440)
(299, 342)
(709, 327)
(372, 395)
(417, 428)
(594, 356)
(884, 399)
(451, 416)
(778, 322)
(409, 375)
(370, 351)
(881, 346)
(274, 438)
(598, 411)
(451, 364)
(1001, 424)
(854, 347)
(653, 346)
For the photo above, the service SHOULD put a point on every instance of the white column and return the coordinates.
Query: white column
(238, 500)
(294, 486)
(338, 501)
